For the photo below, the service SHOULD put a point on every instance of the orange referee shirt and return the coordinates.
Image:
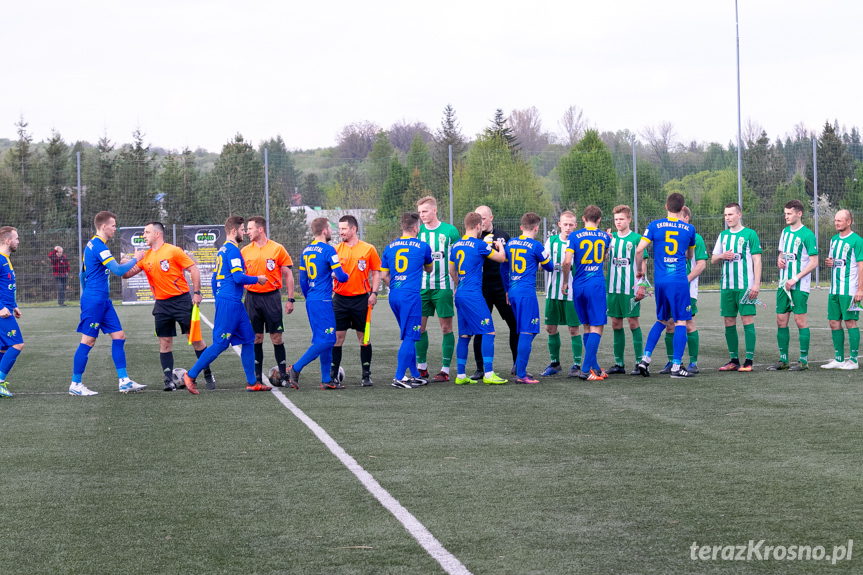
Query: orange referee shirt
(358, 262)
(266, 261)
(164, 270)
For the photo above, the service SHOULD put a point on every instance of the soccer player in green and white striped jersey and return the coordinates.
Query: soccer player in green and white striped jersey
(845, 260)
(798, 257)
(621, 288)
(437, 287)
(558, 302)
(739, 251)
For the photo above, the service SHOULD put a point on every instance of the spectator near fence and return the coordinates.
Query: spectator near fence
(60, 267)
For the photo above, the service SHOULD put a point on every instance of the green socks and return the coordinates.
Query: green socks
(638, 344)
(838, 336)
(446, 347)
(619, 346)
(692, 341)
(732, 341)
(783, 338)
(576, 349)
(554, 347)
(853, 342)
(804, 345)
(669, 346)
(422, 347)
(749, 339)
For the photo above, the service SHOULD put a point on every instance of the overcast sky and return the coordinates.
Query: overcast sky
(194, 73)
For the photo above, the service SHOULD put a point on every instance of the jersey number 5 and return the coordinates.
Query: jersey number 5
(671, 240)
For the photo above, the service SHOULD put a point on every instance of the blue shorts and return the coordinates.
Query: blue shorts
(673, 301)
(408, 309)
(232, 323)
(526, 310)
(474, 316)
(10, 333)
(323, 321)
(590, 303)
(98, 316)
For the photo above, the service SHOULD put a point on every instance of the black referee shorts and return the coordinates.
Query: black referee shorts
(265, 310)
(172, 311)
(350, 311)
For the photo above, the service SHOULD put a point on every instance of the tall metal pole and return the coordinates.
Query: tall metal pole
(80, 243)
(739, 129)
(450, 184)
(634, 188)
(815, 197)
(267, 189)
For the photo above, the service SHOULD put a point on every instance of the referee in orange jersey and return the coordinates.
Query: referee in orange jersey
(264, 257)
(164, 265)
(351, 299)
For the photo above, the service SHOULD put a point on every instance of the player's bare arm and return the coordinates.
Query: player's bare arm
(288, 281)
(132, 272)
(454, 275)
(858, 296)
(640, 265)
(756, 276)
(498, 255)
(566, 267)
(780, 261)
(376, 285)
(195, 274)
(385, 277)
(810, 267)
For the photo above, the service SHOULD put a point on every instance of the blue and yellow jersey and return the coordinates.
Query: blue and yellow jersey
(318, 263)
(523, 257)
(405, 259)
(229, 274)
(588, 247)
(7, 284)
(671, 239)
(469, 254)
(96, 257)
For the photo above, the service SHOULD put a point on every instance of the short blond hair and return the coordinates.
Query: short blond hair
(622, 209)
(427, 200)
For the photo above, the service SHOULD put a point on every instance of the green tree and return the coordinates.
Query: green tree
(834, 166)
(134, 186)
(707, 193)
(236, 184)
(97, 180)
(284, 177)
(379, 161)
(853, 199)
(763, 169)
(651, 195)
(313, 195)
(61, 210)
(395, 186)
(500, 128)
(587, 175)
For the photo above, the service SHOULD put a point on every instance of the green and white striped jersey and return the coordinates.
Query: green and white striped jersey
(846, 252)
(796, 246)
(441, 240)
(556, 247)
(621, 263)
(699, 255)
(737, 274)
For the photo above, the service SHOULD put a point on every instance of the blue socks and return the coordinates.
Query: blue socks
(525, 342)
(247, 356)
(210, 354)
(79, 362)
(653, 338)
(315, 350)
(591, 345)
(461, 351)
(118, 354)
(8, 361)
(407, 358)
(679, 343)
(488, 352)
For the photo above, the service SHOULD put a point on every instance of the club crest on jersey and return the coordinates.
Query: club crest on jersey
(361, 265)
(165, 265)
(797, 242)
(845, 249)
(271, 265)
(740, 242)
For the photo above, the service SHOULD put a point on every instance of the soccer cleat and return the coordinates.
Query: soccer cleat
(526, 380)
(681, 373)
(833, 364)
(667, 369)
(746, 367)
(170, 386)
(778, 366)
(293, 378)
(4, 392)
(402, 384)
(643, 367)
(730, 366)
(328, 384)
(552, 369)
(693, 368)
(801, 366)
(574, 371)
(441, 377)
(210, 379)
(81, 389)
(418, 381)
(464, 381)
(367, 381)
(190, 384)
(635, 371)
(593, 376)
(493, 379)
(129, 386)
(258, 387)
(477, 375)
(615, 369)
(849, 364)
(424, 373)
(603, 373)
(338, 385)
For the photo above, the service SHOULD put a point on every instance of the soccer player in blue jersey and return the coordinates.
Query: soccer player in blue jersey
(97, 311)
(524, 255)
(319, 263)
(673, 245)
(466, 259)
(402, 265)
(585, 255)
(11, 340)
(231, 325)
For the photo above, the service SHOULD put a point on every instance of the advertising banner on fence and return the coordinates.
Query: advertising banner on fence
(200, 242)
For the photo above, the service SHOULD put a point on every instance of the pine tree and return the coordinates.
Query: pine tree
(834, 166)
(313, 195)
(500, 128)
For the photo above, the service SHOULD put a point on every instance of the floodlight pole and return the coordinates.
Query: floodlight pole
(267, 188)
(80, 243)
(739, 130)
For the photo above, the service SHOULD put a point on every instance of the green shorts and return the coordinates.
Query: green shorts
(618, 305)
(560, 312)
(438, 301)
(800, 299)
(730, 306)
(693, 303)
(837, 308)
